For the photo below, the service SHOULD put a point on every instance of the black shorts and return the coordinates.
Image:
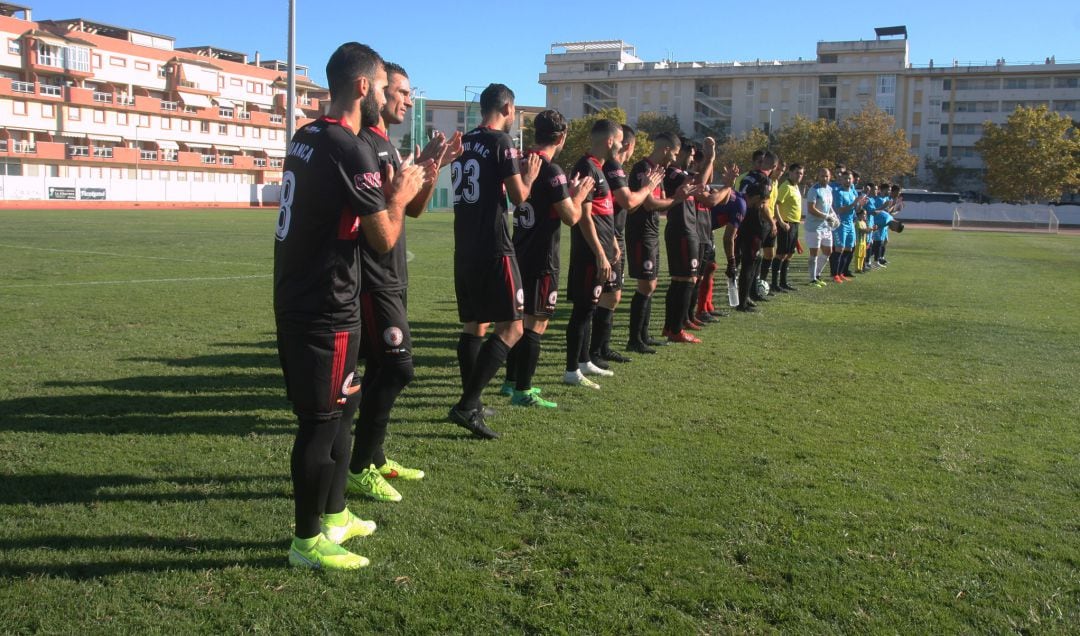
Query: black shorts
(683, 255)
(615, 283)
(489, 291)
(644, 258)
(582, 284)
(770, 238)
(541, 294)
(786, 239)
(320, 372)
(385, 330)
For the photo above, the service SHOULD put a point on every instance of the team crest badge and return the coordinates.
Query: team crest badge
(520, 296)
(553, 297)
(694, 263)
(596, 291)
(648, 265)
(393, 336)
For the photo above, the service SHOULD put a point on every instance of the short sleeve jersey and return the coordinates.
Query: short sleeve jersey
(643, 224)
(682, 216)
(330, 180)
(537, 225)
(732, 212)
(617, 179)
(388, 271)
(480, 205)
(881, 224)
(704, 222)
(842, 198)
(820, 196)
(603, 209)
(789, 202)
(755, 221)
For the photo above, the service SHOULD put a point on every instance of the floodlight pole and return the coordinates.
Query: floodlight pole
(290, 101)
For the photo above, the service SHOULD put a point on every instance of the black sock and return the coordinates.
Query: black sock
(689, 291)
(692, 305)
(468, 347)
(601, 331)
(646, 319)
(580, 316)
(783, 273)
(673, 307)
(513, 362)
(394, 374)
(882, 250)
(320, 459)
(776, 262)
(492, 356)
(528, 357)
(845, 263)
(637, 316)
(834, 263)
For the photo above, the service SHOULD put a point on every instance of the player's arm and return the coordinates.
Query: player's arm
(705, 177)
(629, 199)
(436, 152)
(569, 207)
(813, 209)
(382, 229)
(519, 185)
(592, 239)
(730, 232)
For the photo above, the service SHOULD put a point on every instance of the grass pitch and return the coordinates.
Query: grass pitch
(898, 454)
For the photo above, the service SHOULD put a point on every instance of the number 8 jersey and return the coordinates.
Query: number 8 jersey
(480, 206)
(537, 223)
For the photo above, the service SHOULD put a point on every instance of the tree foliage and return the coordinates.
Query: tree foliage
(655, 123)
(945, 173)
(813, 143)
(577, 138)
(870, 144)
(739, 149)
(1034, 156)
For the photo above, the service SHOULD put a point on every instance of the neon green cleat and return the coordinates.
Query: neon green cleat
(323, 554)
(506, 389)
(372, 485)
(394, 470)
(344, 525)
(531, 398)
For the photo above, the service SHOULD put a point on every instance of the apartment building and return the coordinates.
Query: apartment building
(941, 107)
(92, 111)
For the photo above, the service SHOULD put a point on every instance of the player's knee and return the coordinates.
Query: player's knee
(510, 332)
(399, 371)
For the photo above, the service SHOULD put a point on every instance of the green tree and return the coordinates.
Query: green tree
(653, 124)
(739, 149)
(870, 144)
(577, 139)
(945, 173)
(1032, 157)
(811, 143)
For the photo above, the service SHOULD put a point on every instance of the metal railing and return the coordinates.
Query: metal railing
(169, 106)
(227, 160)
(22, 87)
(103, 153)
(50, 90)
(209, 159)
(148, 155)
(245, 116)
(3, 145)
(170, 155)
(78, 151)
(277, 163)
(227, 113)
(260, 163)
(277, 119)
(23, 147)
(104, 98)
(125, 100)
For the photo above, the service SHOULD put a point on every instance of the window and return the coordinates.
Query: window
(946, 84)
(18, 108)
(236, 81)
(48, 110)
(1040, 82)
(886, 85)
(238, 131)
(223, 129)
(944, 129)
(554, 90)
(97, 60)
(256, 133)
(251, 87)
(99, 117)
(142, 66)
(1016, 83)
(117, 61)
(14, 47)
(122, 119)
(185, 125)
(221, 81)
(461, 117)
(828, 58)
(74, 113)
(274, 134)
(161, 71)
(1067, 82)
(204, 126)
(166, 123)
(144, 121)
(749, 87)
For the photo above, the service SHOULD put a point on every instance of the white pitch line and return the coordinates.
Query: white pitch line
(138, 281)
(152, 258)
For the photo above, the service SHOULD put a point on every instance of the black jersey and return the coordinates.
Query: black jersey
(755, 223)
(383, 271)
(682, 216)
(603, 212)
(616, 178)
(480, 205)
(704, 222)
(537, 225)
(329, 181)
(643, 224)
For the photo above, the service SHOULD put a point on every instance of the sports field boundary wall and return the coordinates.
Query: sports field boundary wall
(77, 193)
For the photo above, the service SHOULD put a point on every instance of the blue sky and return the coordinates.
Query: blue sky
(447, 45)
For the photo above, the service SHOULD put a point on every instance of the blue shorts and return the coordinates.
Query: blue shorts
(843, 237)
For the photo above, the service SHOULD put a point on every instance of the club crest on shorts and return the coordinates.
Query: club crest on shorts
(612, 277)
(348, 388)
(596, 291)
(648, 266)
(393, 336)
(693, 263)
(520, 296)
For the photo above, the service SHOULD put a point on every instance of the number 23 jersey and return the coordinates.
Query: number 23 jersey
(480, 206)
(537, 223)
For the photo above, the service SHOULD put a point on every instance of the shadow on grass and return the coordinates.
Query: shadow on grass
(56, 488)
(167, 555)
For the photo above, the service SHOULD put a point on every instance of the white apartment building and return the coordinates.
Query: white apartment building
(92, 111)
(941, 107)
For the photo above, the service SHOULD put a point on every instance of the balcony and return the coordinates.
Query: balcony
(245, 116)
(260, 162)
(169, 106)
(277, 119)
(78, 151)
(208, 159)
(103, 98)
(170, 155)
(125, 101)
(22, 147)
(225, 113)
(49, 90)
(22, 87)
(148, 155)
(103, 152)
(227, 160)
(3, 145)
(277, 163)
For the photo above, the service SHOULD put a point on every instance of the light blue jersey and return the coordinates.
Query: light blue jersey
(820, 196)
(881, 225)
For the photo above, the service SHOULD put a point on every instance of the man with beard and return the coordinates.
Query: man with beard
(332, 186)
(385, 340)
(486, 276)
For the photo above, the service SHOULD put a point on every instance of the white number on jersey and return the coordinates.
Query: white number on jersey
(288, 191)
(470, 174)
(525, 216)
